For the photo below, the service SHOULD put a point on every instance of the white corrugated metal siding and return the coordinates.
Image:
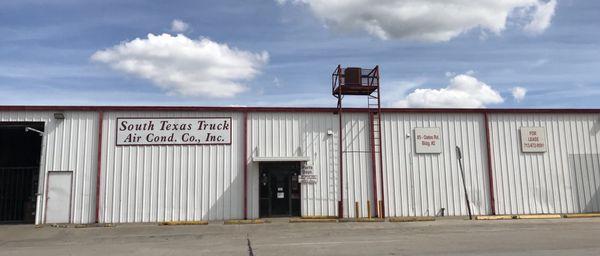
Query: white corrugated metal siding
(422, 184)
(69, 145)
(171, 183)
(358, 184)
(182, 183)
(297, 135)
(305, 135)
(565, 179)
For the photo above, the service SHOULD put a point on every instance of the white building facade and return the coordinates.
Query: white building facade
(154, 164)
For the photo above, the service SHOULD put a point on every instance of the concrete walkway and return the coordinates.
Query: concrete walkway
(441, 237)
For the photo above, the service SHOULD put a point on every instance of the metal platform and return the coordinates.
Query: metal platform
(354, 90)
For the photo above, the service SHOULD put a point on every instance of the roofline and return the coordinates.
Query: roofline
(292, 109)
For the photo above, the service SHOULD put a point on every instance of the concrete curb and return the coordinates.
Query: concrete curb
(410, 219)
(238, 222)
(362, 220)
(523, 217)
(303, 220)
(58, 225)
(91, 225)
(539, 216)
(94, 225)
(496, 217)
(319, 217)
(181, 223)
(582, 215)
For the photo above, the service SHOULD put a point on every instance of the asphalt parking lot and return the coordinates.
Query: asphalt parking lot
(441, 237)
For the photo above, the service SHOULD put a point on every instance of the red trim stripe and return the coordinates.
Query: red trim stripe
(245, 161)
(489, 163)
(99, 164)
(287, 109)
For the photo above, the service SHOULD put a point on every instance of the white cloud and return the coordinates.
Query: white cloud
(397, 90)
(183, 66)
(464, 91)
(428, 20)
(542, 17)
(519, 93)
(179, 26)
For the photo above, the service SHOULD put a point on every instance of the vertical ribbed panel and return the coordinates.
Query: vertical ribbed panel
(297, 135)
(178, 183)
(305, 135)
(565, 179)
(174, 182)
(422, 184)
(69, 145)
(358, 185)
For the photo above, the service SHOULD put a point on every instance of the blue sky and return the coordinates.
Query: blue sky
(287, 52)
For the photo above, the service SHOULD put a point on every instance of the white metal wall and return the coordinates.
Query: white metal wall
(358, 184)
(296, 135)
(69, 144)
(305, 135)
(171, 183)
(178, 183)
(422, 184)
(565, 179)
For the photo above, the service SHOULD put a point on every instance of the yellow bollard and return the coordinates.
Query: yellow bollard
(356, 210)
(369, 209)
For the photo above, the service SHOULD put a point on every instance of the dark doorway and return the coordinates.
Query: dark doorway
(20, 148)
(279, 194)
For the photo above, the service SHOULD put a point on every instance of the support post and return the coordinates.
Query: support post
(340, 147)
(489, 162)
(245, 161)
(382, 207)
(99, 164)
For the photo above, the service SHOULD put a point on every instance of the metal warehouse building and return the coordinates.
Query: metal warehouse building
(154, 164)
(151, 164)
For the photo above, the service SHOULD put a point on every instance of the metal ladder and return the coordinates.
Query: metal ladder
(374, 107)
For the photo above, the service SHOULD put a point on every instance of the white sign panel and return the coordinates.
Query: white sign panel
(173, 131)
(533, 139)
(307, 175)
(307, 169)
(308, 178)
(428, 140)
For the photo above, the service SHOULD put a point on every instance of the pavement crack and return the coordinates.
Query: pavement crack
(250, 251)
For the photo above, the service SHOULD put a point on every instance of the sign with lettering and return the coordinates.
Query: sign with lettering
(533, 139)
(308, 178)
(307, 169)
(307, 175)
(428, 140)
(173, 131)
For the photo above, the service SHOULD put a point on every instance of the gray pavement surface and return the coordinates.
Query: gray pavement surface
(441, 237)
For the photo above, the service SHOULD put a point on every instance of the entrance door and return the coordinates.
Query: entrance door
(279, 189)
(20, 150)
(58, 209)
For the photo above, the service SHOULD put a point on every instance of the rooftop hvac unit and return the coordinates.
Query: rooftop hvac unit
(353, 76)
